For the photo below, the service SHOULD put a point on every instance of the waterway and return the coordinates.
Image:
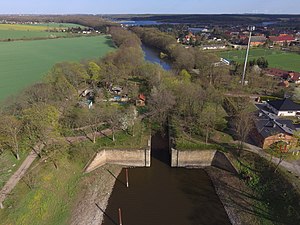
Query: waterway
(161, 195)
(152, 55)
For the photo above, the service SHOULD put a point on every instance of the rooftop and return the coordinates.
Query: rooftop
(268, 125)
(284, 105)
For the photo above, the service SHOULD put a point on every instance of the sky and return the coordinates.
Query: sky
(150, 6)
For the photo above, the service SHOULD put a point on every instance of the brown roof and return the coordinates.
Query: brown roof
(276, 72)
(282, 38)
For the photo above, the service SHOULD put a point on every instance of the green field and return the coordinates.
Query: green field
(20, 31)
(23, 34)
(25, 62)
(59, 25)
(276, 58)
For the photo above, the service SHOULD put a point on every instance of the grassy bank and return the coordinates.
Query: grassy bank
(277, 200)
(24, 63)
(47, 195)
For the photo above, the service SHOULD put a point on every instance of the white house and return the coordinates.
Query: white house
(284, 107)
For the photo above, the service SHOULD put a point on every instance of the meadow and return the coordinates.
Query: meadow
(25, 62)
(276, 58)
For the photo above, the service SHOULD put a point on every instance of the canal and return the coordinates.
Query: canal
(161, 195)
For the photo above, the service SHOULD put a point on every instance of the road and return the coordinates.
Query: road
(17, 176)
(293, 166)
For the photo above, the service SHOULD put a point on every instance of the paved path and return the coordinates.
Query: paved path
(17, 176)
(293, 166)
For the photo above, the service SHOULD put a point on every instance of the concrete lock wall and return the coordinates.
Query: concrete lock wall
(192, 158)
(135, 158)
(201, 158)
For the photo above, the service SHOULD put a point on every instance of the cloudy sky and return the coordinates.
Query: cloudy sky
(150, 6)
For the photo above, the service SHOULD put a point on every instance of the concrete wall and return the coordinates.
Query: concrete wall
(201, 158)
(192, 158)
(135, 158)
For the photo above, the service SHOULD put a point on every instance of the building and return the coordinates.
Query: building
(281, 39)
(141, 100)
(256, 40)
(213, 47)
(269, 130)
(284, 107)
(290, 76)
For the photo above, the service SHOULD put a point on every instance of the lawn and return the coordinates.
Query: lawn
(276, 58)
(25, 62)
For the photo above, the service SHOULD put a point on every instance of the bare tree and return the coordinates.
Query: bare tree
(10, 128)
(160, 104)
(243, 123)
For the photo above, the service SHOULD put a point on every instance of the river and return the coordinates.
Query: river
(161, 195)
(152, 55)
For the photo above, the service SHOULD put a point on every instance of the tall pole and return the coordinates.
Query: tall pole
(251, 28)
(127, 178)
(120, 217)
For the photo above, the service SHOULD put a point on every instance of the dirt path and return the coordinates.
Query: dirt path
(294, 166)
(17, 176)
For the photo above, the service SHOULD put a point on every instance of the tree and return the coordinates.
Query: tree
(210, 118)
(41, 122)
(10, 129)
(183, 58)
(75, 73)
(185, 76)
(279, 149)
(95, 118)
(62, 89)
(112, 115)
(128, 119)
(160, 104)
(296, 94)
(94, 71)
(243, 123)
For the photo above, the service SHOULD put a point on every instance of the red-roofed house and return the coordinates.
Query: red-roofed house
(284, 74)
(141, 100)
(281, 39)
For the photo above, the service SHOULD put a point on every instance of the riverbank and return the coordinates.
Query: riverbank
(96, 188)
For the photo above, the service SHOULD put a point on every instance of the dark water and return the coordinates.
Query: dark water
(140, 23)
(162, 195)
(152, 55)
